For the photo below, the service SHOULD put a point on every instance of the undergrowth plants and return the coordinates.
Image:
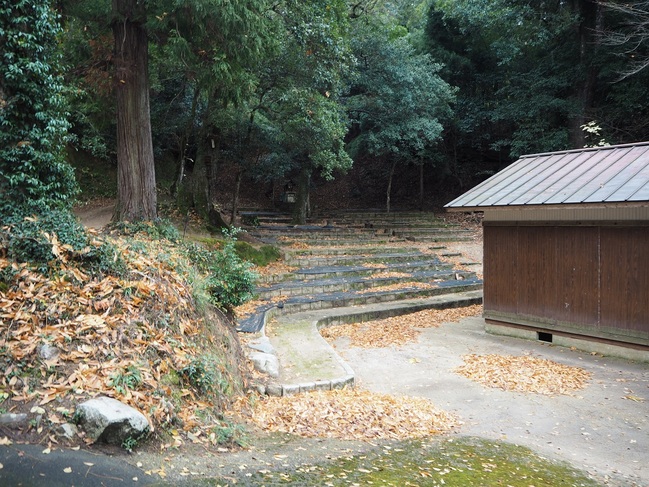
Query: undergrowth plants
(229, 280)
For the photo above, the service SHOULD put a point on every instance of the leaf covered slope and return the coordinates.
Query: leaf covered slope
(140, 337)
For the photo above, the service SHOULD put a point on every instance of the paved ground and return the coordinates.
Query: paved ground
(27, 466)
(597, 429)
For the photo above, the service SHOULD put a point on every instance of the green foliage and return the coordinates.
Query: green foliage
(398, 101)
(127, 379)
(313, 130)
(227, 433)
(206, 375)
(34, 176)
(31, 239)
(299, 91)
(230, 281)
(40, 240)
(158, 229)
(261, 257)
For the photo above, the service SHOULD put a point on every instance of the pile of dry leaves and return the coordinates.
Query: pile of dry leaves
(524, 374)
(69, 336)
(397, 330)
(352, 414)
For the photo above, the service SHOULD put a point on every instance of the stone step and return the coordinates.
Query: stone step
(295, 304)
(357, 259)
(324, 272)
(355, 283)
(352, 250)
(368, 240)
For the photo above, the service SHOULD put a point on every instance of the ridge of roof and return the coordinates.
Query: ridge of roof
(586, 149)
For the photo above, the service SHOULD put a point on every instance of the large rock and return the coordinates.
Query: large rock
(262, 344)
(266, 363)
(108, 420)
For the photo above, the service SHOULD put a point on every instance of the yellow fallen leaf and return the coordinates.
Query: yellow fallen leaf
(631, 397)
(67, 470)
(47, 451)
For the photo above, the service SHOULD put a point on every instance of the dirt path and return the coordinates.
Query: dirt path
(95, 214)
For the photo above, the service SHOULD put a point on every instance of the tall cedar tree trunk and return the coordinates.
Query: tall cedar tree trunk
(589, 12)
(302, 197)
(136, 187)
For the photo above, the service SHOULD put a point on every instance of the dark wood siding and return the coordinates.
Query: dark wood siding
(591, 281)
(625, 278)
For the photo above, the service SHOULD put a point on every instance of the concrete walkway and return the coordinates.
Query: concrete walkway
(603, 429)
(308, 362)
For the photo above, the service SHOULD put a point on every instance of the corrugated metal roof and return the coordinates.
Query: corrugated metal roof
(614, 174)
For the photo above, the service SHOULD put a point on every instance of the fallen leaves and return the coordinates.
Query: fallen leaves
(352, 414)
(98, 327)
(397, 330)
(524, 373)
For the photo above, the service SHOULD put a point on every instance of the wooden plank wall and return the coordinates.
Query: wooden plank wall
(585, 280)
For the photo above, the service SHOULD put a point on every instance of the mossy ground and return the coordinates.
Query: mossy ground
(456, 462)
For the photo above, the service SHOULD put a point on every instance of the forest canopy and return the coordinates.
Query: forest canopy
(432, 94)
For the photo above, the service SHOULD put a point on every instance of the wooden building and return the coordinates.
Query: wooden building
(566, 246)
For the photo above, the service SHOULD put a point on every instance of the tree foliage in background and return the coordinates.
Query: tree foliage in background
(299, 92)
(269, 91)
(397, 102)
(530, 75)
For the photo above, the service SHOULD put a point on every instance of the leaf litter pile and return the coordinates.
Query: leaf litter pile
(352, 414)
(524, 374)
(67, 336)
(397, 330)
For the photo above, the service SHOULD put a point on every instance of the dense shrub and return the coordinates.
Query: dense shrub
(34, 176)
(230, 280)
(55, 234)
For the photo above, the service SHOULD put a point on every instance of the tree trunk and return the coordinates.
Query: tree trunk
(136, 186)
(421, 185)
(184, 141)
(211, 144)
(302, 197)
(235, 197)
(387, 199)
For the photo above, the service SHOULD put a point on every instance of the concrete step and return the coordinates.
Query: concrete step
(357, 259)
(324, 272)
(356, 283)
(295, 304)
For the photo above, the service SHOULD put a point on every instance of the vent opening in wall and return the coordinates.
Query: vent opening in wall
(545, 337)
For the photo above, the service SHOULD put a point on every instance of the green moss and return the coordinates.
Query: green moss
(449, 462)
(261, 256)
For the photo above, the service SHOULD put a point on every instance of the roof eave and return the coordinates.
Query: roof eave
(621, 204)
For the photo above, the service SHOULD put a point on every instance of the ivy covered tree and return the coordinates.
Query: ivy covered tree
(34, 175)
